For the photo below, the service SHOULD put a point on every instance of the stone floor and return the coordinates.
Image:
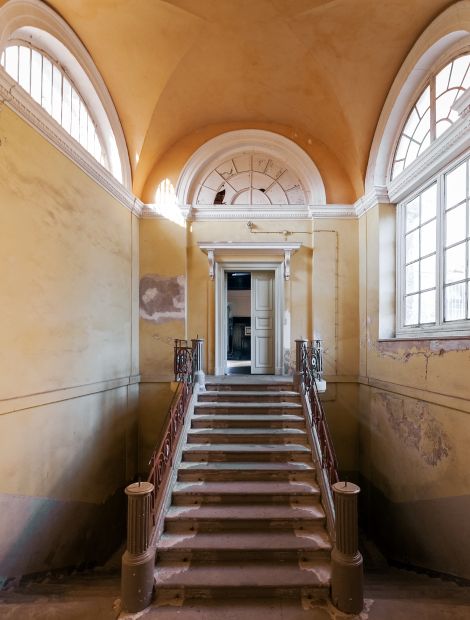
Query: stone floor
(390, 594)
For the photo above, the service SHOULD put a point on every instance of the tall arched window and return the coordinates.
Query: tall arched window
(432, 112)
(53, 89)
(433, 240)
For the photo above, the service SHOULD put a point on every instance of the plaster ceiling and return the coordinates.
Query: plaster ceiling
(319, 68)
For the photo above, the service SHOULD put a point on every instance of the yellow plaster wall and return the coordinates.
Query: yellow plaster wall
(68, 399)
(414, 426)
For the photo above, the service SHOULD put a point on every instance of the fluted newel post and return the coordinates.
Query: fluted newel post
(199, 376)
(347, 573)
(299, 346)
(138, 562)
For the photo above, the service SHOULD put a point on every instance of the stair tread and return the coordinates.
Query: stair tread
(262, 574)
(246, 466)
(314, 540)
(237, 512)
(245, 447)
(246, 431)
(226, 417)
(254, 405)
(250, 393)
(246, 487)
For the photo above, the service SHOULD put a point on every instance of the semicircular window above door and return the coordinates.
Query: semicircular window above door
(251, 179)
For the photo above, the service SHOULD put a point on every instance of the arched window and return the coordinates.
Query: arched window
(43, 63)
(432, 113)
(251, 178)
(53, 89)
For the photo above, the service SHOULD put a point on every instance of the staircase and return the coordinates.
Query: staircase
(245, 518)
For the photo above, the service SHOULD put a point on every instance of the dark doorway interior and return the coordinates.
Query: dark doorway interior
(238, 323)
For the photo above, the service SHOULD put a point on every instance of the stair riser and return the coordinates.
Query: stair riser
(250, 387)
(195, 423)
(232, 498)
(183, 525)
(245, 476)
(234, 409)
(241, 555)
(283, 439)
(245, 398)
(241, 457)
(187, 592)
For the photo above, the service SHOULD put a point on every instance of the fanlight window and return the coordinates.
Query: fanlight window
(48, 84)
(432, 113)
(251, 179)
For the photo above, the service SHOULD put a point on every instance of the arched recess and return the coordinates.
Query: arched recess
(233, 143)
(33, 20)
(448, 33)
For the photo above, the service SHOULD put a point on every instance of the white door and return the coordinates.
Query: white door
(262, 322)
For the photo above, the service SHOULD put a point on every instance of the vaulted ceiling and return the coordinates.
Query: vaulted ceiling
(320, 69)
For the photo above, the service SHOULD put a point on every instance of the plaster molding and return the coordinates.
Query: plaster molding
(376, 196)
(452, 143)
(18, 100)
(462, 105)
(231, 248)
(280, 212)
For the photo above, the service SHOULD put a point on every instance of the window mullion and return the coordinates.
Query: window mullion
(432, 108)
(440, 249)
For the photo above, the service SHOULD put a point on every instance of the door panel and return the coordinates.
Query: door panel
(262, 321)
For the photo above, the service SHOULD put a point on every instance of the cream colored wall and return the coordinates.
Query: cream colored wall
(414, 430)
(68, 391)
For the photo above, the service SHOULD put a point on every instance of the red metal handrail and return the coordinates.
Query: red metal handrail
(311, 369)
(161, 461)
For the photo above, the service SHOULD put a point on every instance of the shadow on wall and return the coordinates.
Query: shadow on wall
(40, 534)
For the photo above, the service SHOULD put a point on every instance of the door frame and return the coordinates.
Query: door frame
(221, 269)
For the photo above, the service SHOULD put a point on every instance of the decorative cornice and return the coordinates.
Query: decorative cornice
(279, 212)
(462, 105)
(373, 198)
(285, 248)
(442, 151)
(12, 95)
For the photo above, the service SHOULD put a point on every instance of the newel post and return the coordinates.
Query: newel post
(138, 562)
(199, 376)
(347, 571)
(299, 346)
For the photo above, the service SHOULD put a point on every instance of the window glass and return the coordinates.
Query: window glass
(45, 80)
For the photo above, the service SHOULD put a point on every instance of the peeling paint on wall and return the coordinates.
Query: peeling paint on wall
(416, 427)
(162, 298)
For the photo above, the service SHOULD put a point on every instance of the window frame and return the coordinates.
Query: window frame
(440, 328)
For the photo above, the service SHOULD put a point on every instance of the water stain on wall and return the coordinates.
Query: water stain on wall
(162, 298)
(416, 427)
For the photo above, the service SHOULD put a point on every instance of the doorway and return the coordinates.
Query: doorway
(248, 319)
(238, 322)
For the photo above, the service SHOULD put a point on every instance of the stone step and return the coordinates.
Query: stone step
(187, 493)
(248, 396)
(217, 386)
(284, 579)
(247, 421)
(269, 408)
(196, 471)
(235, 517)
(247, 435)
(307, 544)
(246, 452)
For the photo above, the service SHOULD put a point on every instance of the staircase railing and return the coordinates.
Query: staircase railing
(339, 499)
(146, 499)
